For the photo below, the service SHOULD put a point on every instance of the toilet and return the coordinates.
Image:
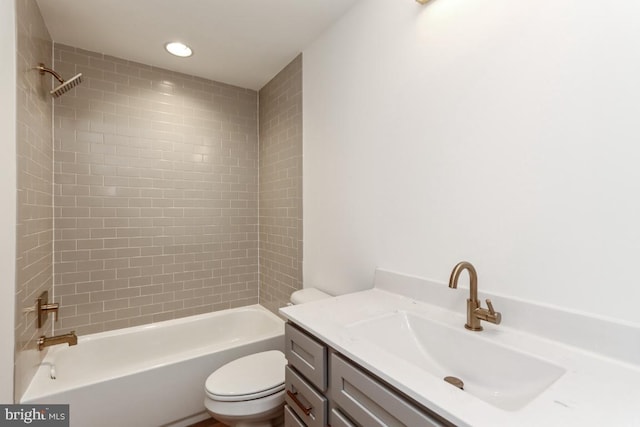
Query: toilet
(249, 391)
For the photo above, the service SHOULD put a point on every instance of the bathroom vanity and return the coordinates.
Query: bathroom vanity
(325, 388)
(380, 358)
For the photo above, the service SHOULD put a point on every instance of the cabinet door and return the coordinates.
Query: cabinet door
(307, 355)
(309, 405)
(291, 419)
(371, 403)
(338, 419)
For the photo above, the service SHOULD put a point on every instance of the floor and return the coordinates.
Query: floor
(208, 423)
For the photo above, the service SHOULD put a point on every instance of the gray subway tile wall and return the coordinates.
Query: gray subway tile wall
(281, 186)
(34, 146)
(155, 195)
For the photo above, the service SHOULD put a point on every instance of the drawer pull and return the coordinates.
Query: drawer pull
(294, 397)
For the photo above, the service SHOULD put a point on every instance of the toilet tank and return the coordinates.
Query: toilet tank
(307, 295)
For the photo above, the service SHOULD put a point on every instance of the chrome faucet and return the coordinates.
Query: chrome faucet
(475, 313)
(69, 338)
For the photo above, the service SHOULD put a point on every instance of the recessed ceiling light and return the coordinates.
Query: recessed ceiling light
(178, 49)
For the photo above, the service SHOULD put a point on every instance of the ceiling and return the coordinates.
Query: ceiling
(239, 42)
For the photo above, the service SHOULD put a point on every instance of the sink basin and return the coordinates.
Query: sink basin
(501, 376)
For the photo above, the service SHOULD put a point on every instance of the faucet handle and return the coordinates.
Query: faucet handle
(491, 310)
(490, 315)
(54, 306)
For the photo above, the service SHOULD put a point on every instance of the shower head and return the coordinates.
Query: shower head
(65, 85)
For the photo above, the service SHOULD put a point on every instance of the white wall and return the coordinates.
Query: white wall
(501, 132)
(7, 195)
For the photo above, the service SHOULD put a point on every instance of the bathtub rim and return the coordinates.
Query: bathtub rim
(178, 321)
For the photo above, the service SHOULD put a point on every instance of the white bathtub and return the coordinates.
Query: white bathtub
(150, 375)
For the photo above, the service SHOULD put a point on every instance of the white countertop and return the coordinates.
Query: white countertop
(596, 389)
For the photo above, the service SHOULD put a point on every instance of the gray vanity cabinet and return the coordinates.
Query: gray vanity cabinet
(307, 355)
(291, 419)
(369, 402)
(305, 379)
(324, 388)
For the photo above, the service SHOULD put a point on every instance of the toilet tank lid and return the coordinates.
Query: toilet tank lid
(307, 295)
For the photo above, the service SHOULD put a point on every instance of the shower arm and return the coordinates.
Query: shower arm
(44, 69)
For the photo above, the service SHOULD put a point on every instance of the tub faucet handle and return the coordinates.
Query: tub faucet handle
(52, 307)
(43, 308)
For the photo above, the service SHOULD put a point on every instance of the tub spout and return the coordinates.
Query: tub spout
(69, 338)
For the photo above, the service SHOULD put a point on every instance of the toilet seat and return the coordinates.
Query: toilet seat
(250, 377)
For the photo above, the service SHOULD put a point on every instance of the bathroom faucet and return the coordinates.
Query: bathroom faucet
(69, 338)
(475, 313)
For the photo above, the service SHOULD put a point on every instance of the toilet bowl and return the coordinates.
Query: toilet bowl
(249, 391)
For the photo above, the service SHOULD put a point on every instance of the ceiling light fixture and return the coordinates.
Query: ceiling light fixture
(178, 49)
(422, 1)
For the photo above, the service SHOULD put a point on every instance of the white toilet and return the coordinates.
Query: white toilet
(249, 391)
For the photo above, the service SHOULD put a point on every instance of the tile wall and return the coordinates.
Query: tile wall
(156, 194)
(34, 232)
(281, 186)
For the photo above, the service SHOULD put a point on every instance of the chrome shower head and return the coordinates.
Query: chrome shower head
(65, 85)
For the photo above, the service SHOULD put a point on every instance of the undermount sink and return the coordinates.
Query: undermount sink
(501, 376)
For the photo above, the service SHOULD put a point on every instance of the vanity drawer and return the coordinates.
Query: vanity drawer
(338, 419)
(309, 405)
(291, 419)
(370, 403)
(307, 355)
